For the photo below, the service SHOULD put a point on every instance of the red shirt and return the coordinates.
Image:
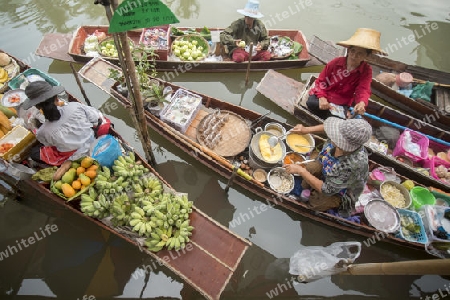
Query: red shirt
(342, 87)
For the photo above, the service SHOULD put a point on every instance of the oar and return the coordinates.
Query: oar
(249, 62)
(412, 267)
(403, 128)
(79, 85)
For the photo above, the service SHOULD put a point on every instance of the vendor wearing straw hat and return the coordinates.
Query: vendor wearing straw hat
(238, 36)
(341, 170)
(68, 130)
(345, 81)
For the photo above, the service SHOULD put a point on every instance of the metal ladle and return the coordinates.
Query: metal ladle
(274, 140)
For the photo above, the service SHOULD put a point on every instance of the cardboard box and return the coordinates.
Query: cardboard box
(23, 140)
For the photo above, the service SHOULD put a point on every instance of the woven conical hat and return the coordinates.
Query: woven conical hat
(365, 38)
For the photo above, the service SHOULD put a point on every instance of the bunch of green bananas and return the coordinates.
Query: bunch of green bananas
(120, 208)
(94, 205)
(126, 166)
(170, 238)
(171, 215)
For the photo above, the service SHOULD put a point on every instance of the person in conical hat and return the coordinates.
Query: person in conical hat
(345, 81)
(238, 36)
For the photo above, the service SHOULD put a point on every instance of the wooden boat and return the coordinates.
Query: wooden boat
(436, 112)
(97, 71)
(216, 251)
(291, 95)
(166, 62)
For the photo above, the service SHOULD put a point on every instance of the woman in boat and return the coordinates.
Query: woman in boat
(244, 31)
(341, 170)
(68, 130)
(345, 81)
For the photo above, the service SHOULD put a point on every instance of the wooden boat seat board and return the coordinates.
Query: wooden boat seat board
(443, 102)
(280, 89)
(55, 46)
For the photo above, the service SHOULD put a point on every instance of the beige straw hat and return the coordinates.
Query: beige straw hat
(365, 38)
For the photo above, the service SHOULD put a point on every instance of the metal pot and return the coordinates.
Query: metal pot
(275, 128)
(254, 148)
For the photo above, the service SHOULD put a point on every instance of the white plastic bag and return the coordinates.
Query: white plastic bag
(312, 263)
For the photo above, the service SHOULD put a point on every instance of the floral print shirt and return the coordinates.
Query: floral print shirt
(344, 174)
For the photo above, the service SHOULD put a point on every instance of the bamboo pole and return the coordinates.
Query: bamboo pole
(88, 102)
(249, 62)
(414, 267)
(435, 83)
(129, 71)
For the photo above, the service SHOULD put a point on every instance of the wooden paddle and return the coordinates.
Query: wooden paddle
(412, 267)
(249, 62)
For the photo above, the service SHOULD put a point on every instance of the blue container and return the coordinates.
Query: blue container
(420, 237)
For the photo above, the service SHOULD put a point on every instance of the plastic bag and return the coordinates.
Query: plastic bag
(106, 150)
(423, 91)
(312, 263)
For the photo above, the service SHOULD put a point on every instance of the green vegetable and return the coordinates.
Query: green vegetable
(45, 175)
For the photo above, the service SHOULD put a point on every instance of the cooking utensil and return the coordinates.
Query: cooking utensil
(274, 140)
(306, 146)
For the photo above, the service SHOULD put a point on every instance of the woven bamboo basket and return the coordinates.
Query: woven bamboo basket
(201, 41)
(13, 69)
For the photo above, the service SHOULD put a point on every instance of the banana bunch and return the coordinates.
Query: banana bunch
(126, 166)
(120, 209)
(3, 75)
(94, 205)
(106, 184)
(140, 223)
(152, 186)
(176, 240)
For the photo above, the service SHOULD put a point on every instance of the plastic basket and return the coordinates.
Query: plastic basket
(416, 138)
(182, 109)
(420, 237)
(421, 196)
(432, 216)
(22, 78)
(161, 44)
(433, 163)
(441, 196)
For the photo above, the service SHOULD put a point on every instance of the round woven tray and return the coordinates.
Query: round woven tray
(235, 133)
(13, 69)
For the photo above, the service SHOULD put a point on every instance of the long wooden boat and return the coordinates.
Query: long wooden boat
(436, 112)
(167, 62)
(97, 72)
(215, 251)
(291, 95)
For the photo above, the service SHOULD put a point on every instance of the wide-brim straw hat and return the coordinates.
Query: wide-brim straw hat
(349, 134)
(251, 10)
(365, 38)
(40, 91)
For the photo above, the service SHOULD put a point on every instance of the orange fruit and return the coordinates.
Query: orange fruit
(80, 170)
(76, 184)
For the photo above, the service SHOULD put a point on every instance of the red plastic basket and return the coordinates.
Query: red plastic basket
(416, 138)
